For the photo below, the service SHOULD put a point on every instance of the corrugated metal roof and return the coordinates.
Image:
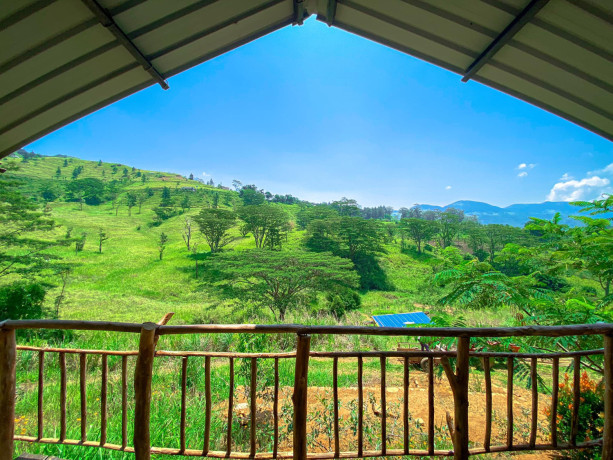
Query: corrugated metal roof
(401, 319)
(63, 59)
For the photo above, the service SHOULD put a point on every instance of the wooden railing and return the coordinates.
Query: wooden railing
(458, 380)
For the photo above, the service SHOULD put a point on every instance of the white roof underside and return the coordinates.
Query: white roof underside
(63, 59)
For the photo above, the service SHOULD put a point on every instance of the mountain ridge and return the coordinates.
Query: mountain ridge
(515, 214)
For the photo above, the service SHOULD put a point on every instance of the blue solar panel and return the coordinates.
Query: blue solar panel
(401, 319)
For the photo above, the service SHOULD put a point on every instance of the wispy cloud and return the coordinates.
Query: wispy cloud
(205, 174)
(565, 177)
(526, 165)
(448, 187)
(607, 171)
(522, 174)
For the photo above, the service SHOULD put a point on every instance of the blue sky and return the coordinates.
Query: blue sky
(321, 113)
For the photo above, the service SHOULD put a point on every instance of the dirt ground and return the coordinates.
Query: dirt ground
(320, 402)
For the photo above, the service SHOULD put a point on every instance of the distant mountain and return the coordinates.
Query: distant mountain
(516, 214)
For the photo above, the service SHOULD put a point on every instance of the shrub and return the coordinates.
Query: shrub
(591, 419)
(342, 301)
(22, 300)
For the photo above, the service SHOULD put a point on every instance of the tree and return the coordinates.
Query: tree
(90, 190)
(310, 213)
(449, 225)
(141, 198)
(494, 238)
(280, 280)
(215, 203)
(26, 234)
(359, 235)
(185, 204)
(102, 237)
(131, 200)
(251, 196)
(65, 163)
(419, 230)
(265, 222)
(99, 162)
(346, 207)
(79, 244)
(162, 244)
(191, 176)
(58, 172)
(214, 224)
(187, 232)
(237, 185)
(166, 198)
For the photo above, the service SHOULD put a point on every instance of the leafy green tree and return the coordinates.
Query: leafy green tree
(65, 163)
(346, 207)
(79, 243)
(251, 196)
(185, 203)
(141, 198)
(267, 223)
(357, 235)
(419, 230)
(102, 237)
(131, 200)
(215, 202)
(279, 280)
(90, 190)
(166, 198)
(215, 224)
(310, 213)
(58, 173)
(162, 244)
(449, 225)
(26, 235)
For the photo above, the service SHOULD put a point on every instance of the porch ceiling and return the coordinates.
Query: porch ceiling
(63, 59)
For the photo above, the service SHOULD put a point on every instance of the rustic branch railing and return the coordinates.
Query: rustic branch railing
(458, 380)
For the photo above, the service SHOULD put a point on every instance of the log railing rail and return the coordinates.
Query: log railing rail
(458, 380)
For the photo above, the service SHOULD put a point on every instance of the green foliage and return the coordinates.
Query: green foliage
(215, 224)
(280, 280)
(22, 300)
(419, 230)
(307, 214)
(267, 223)
(342, 301)
(162, 244)
(591, 409)
(91, 190)
(251, 196)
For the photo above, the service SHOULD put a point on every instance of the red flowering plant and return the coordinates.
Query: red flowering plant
(591, 413)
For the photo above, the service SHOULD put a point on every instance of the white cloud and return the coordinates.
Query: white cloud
(522, 174)
(448, 187)
(573, 190)
(607, 170)
(522, 166)
(205, 174)
(565, 177)
(526, 165)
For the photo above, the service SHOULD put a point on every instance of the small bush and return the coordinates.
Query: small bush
(591, 418)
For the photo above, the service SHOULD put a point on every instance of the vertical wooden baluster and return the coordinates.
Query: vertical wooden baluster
(143, 373)
(275, 411)
(460, 398)
(488, 403)
(383, 408)
(253, 409)
(183, 406)
(124, 402)
(430, 405)
(208, 409)
(607, 441)
(230, 409)
(8, 367)
(405, 406)
(103, 397)
(62, 359)
(510, 402)
(83, 394)
(535, 401)
(300, 397)
(360, 408)
(337, 448)
(554, 401)
(41, 381)
(574, 426)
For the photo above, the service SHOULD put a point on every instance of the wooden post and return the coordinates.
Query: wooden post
(303, 347)
(8, 360)
(460, 444)
(142, 392)
(607, 442)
